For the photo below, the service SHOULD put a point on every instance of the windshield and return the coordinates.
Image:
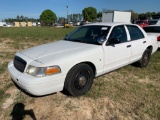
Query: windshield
(88, 34)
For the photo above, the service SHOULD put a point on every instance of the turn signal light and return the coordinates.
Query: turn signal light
(52, 70)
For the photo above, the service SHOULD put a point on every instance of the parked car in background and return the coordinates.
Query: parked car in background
(154, 22)
(72, 64)
(142, 23)
(153, 30)
(68, 24)
(82, 23)
(77, 23)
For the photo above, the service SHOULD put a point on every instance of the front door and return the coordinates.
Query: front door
(117, 51)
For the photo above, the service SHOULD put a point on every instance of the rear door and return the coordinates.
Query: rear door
(138, 42)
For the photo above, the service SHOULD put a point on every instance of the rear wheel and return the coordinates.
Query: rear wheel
(145, 58)
(79, 80)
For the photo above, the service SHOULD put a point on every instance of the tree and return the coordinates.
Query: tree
(48, 17)
(134, 16)
(89, 14)
(99, 15)
(18, 18)
(21, 17)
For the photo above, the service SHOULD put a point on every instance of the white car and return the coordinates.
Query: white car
(153, 30)
(73, 63)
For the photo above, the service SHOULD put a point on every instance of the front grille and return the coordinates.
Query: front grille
(19, 63)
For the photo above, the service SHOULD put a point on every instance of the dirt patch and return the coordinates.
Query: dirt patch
(9, 101)
(61, 107)
(5, 45)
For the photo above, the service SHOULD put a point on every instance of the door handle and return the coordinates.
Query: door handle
(144, 41)
(128, 46)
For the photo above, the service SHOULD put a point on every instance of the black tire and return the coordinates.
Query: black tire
(144, 61)
(79, 80)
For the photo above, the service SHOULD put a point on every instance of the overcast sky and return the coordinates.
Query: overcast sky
(33, 8)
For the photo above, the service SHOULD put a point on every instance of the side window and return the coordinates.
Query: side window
(118, 33)
(135, 32)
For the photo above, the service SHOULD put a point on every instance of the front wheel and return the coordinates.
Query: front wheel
(79, 80)
(145, 58)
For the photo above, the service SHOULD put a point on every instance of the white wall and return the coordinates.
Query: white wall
(120, 16)
(116, 16)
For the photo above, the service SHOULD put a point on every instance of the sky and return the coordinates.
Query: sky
(34, 8)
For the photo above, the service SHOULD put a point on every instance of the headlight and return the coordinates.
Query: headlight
(42, 71)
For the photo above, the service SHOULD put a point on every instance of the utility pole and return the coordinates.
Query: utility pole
(67, 13)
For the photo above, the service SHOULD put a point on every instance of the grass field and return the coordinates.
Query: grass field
(127, 93)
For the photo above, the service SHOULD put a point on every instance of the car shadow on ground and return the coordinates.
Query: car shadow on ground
(19, 112)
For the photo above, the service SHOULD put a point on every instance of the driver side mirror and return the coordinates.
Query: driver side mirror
(101, 40)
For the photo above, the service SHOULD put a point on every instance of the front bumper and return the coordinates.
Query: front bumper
(37, 86)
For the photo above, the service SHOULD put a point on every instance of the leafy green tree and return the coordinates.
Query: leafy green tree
(134, 16)
(48, 17)
(99, 15)
(142, 16)
(18, 18)
(147, 15)
(21, 17)
(89, 14)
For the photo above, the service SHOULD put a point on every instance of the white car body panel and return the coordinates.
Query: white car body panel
(157, 35)
(67, 54)
(36, 86)
(116, 56)
(154, 33)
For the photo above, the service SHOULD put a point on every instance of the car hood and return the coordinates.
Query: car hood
(58, 48)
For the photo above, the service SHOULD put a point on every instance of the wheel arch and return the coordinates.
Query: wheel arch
(88, 63)
(92, 66)
(69, 83)
(150, 48)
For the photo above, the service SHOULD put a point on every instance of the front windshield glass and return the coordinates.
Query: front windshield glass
(88, 34)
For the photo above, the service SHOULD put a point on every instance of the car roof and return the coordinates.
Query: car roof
(108, 23)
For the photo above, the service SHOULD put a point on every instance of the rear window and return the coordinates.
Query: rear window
(152, 22)
(135, 32)
(152, 29)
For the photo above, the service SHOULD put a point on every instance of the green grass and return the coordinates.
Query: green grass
(136, 89)
(34, 33)
(3, 95)
(3, 67)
